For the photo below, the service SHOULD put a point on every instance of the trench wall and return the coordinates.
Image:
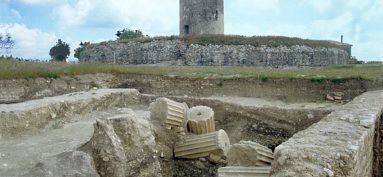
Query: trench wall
(177, 52)
(341, 144)
(378, 150)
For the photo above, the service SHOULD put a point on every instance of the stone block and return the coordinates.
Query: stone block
(237, 171)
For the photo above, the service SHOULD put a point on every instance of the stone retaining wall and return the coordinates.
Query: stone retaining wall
(341, 144)
(177, 52)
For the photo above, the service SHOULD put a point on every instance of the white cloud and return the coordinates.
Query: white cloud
(153, 16)
(329, 28)
(16, 14)
(255, 6)
(29, 43)
(320, 5)
(74, 15)
(375, 12)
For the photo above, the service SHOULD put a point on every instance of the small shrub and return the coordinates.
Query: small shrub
(127, 34)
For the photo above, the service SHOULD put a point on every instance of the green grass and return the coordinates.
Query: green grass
(10, 69)
(271, 41)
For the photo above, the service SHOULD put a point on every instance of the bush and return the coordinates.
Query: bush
(127, 34)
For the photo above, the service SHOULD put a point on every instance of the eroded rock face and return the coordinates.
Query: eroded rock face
(68, 164)
(125, 146)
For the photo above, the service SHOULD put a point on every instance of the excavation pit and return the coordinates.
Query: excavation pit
(67, 122)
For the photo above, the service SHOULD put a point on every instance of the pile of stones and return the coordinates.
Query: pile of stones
(199, 139)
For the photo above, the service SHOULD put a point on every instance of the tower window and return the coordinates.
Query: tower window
(216, 15)
(186, 29)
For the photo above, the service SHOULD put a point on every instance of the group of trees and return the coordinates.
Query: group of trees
(61, 50)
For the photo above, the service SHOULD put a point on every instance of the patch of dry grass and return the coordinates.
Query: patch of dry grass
(10, 69)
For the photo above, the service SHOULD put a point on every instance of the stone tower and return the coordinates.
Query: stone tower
(201, 17)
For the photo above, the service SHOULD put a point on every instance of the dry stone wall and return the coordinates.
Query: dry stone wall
(177, 52)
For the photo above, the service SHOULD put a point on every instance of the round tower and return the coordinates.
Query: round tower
(201, 17)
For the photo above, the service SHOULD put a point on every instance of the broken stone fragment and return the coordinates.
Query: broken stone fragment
(237, 171)
(107, 150)
(201, 120)
(169, 113)
(248, 154)
(125, 145)
(197, 146)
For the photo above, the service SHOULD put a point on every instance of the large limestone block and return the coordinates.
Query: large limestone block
(125, 146)
(214, 144)
(201, 120)
(170, 113)
(237, 171)
(248, 154)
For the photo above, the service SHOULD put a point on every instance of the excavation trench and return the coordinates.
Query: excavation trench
(59, 122)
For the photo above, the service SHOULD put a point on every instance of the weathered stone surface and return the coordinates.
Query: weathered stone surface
(201, 120)
(35, 114)
(108, 151)
(125, 145)
(213, 145)
(140, 147)
(201, 17)
(169, 113)
(249, 154)
(236, 171)
(338, 145)
(68, 164)
(177, 52)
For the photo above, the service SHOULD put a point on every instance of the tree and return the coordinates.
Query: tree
(6, 42)
(127, 34)
(77, 52)
(60, 51)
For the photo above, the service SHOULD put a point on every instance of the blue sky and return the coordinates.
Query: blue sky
(37, 24)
